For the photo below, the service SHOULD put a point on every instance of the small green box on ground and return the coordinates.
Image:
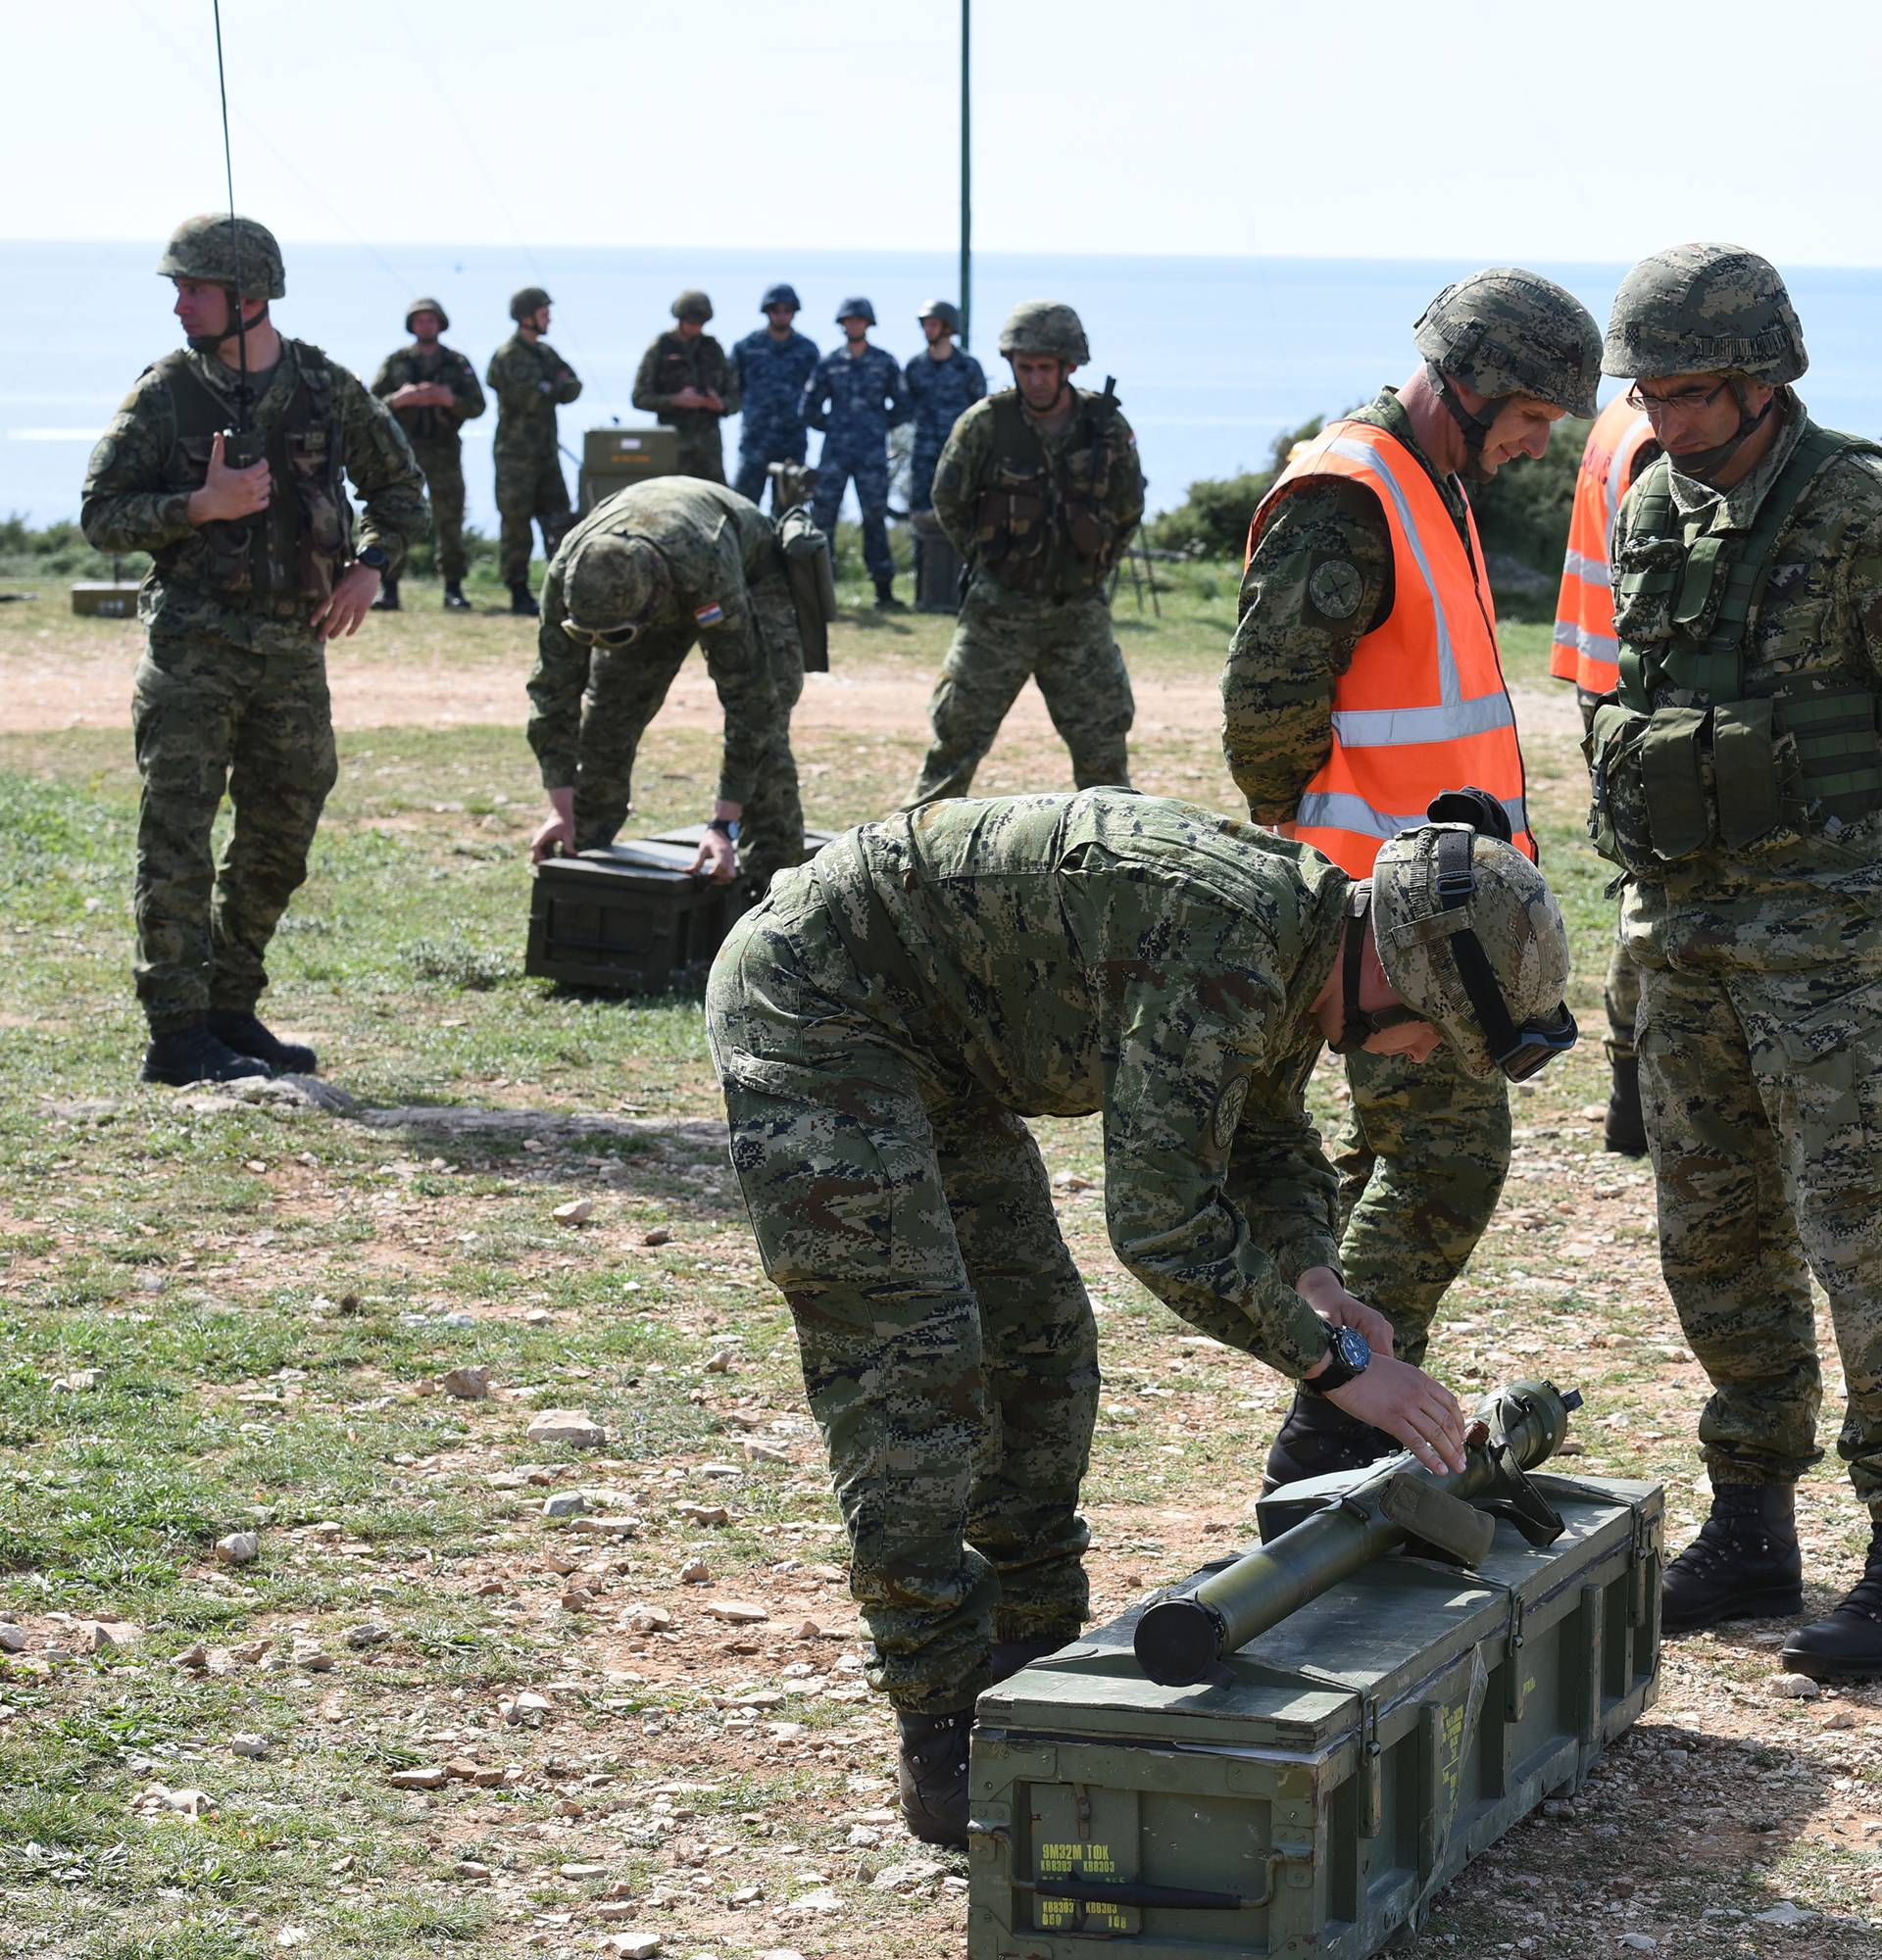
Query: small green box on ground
(612, 458)
(104, 597)
(1342, 1767)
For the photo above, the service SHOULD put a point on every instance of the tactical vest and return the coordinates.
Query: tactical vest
(427, 424)
(298, 546)
(1042, 524)
(1681, 756)
(1585, 648)
(699, 364)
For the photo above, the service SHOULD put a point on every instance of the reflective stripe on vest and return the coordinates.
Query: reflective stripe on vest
(1422, 706)
(1585, 649)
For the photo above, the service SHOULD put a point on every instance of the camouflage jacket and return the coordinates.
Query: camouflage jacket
(442, 363)
(713, 543)
(529, 377)
(771, 377)
(1143, 958)
(1790, 899)
(133, 499)
(857, 399)
(674, 362)
(942, 392)
(1287, 656)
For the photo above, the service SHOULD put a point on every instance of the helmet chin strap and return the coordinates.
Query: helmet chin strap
(211, 343)
(1703, 464)
(1472, 427)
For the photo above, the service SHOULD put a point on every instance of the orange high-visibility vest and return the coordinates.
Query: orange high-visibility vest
(1585, 649)
(1423, 706)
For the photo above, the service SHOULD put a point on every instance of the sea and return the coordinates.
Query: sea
(1212, 357)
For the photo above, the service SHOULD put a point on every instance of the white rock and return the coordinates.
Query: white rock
(1637, 1942)
(248, 1746)
(820, 1900)
(782, 1953)
(695, 1572)
(470, 1385)
(862, 1836)
(905, 1876)
(1784, 1914)
(567, 1426)
(578, 1211)
(13, 1639)
(1793, 1687)
(764, 1452)
(632, 1945)
(290, 1936)
(564, 1504)
(107, 1636)
(367, 1634)
(77, 1383)
(581, 1872)
(736, 1612)
(240, 1548)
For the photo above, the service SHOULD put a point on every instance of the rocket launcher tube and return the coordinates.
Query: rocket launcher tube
(1182, 1640)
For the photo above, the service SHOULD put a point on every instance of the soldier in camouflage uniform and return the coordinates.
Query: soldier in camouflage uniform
(653, 571)
(1505, 354)
(528, 379)
(1737, 783)
(255, 566)
(687, 382)
(1039, 489)
(944, 383)
(433, 391)
(856, 396)
(772, 367)
(882, 1024)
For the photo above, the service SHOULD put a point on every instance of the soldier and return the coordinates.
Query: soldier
(1737, 783)
(1039, 488)
(655, 570)
(1362, 678)
(1620, 446)
(685, 381)
(856, 396)
(880, 1026)
(771, 366)
(528, 379)
(255, 567)
(433, 391)
(944, 383)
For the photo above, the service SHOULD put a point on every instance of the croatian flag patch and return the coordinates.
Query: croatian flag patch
(709, 614)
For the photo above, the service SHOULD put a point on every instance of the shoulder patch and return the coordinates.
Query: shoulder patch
(1230, 1106)
(1334, 587)
(712, 614)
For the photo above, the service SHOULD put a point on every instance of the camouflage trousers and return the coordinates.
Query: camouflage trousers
(702, 453)
(759, 445)
(209, 716)
(949, 1350)
(529, 489)
(867, 467)
(443, 467)
(1620, 991)
(1762, 1095)
(1002, 638)
(624, 692)
(1422, 1165)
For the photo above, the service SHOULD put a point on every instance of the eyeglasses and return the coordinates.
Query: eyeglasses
(1687, 401)
(611, 637)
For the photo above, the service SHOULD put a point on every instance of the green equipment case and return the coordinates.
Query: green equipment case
(1337, 1770)
(104, 597)
(612, 458)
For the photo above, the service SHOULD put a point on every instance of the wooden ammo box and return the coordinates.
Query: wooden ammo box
(1343, 1766)
(612, 459)
(104, 597)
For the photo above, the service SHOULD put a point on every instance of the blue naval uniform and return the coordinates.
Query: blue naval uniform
(942, 391)
(772, 375)
(856, 403)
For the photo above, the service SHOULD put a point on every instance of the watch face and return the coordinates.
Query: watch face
(1351, 1347)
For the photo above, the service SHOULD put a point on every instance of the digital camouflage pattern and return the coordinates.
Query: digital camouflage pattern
(528, 379)
(1620, 985)
(232, 690)
(722, 588)
(772, 375)
(1505, 331)
(880, 1024)
(1045, 326)
(1760, 1019)
(223, 250)
(940, 393)
(1704, 310)
(856, 402)
(672, 364)
(433, 433)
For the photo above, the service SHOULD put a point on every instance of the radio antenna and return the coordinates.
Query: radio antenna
(245, 394)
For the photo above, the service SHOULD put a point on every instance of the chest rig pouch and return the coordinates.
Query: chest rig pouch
(1681, 758)
(1042, 522)
(298, 546)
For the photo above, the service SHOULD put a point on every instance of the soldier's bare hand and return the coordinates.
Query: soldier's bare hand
(339, 616)
(1321, 1288)
(1409, 1405)
(718, 858)
(229, 495)
(557, 832)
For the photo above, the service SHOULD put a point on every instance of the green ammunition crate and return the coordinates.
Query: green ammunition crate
(612, 458)
(104, 597)
(1345, 1765)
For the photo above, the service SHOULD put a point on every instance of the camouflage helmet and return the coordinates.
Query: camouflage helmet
(419, 305)
(945, 311)
(784, 294)
(1704, 310)
(1505, 331)
(608, 582)
(526, 304)
(1045, 326)
(1425, 894)
(225, 251)
(692, 304)
(856, 307)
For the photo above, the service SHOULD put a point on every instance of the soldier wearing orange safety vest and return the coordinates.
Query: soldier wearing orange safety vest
(1586, 652)
(1363, 681)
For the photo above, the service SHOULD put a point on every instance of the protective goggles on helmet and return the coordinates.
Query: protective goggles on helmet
(613, 638)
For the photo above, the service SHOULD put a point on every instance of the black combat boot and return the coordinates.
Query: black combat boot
(246, 1034)
(454, 599)
(1320, 1436)
(1007, 1658)
(388, 598)
(521, 603)
(1744, 1565)
(933, 1776)
(1848, 1645)
(1625, 1132)
(193, 1054)
(885, 598)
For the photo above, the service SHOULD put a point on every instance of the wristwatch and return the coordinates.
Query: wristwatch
(1348, 1356)
(375, 558)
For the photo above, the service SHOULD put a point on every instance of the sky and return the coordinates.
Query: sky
(1474, 131)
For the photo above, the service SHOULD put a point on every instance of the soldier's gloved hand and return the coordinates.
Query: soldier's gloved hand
(229, 495)
(557, 832)
(1409, 1405)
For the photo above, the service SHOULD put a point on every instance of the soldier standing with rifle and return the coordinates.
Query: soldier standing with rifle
(1039, 489)
(529, 377)
(223, 463)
